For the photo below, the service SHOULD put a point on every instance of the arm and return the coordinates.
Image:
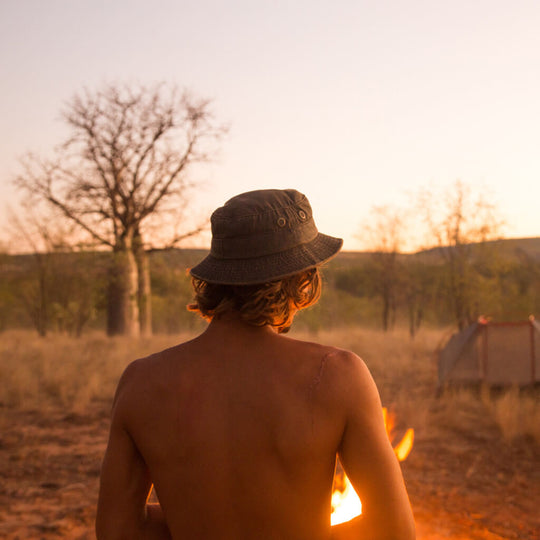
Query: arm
(370, 463)
(123, 512)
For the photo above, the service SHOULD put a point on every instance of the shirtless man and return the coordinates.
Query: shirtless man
(238, 430)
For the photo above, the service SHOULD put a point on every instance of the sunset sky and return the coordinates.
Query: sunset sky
(355, 103)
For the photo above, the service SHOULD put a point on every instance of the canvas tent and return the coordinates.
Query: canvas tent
(496, 353)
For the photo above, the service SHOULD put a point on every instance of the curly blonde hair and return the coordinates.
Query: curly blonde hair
(274, 303)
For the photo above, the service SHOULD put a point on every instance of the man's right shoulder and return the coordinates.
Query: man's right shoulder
(341, 367)
(346, 362)
(343, 358)
(346, 372)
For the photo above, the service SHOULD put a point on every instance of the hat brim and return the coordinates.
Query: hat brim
(251, 271)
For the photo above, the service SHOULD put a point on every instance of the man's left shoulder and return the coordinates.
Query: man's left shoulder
(146, 367)
(138, 377)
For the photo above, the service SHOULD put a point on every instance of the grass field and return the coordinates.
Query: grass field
(473, 473)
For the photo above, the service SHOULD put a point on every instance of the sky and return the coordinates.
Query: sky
(355, 103)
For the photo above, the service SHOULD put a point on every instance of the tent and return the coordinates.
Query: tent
(496, 353)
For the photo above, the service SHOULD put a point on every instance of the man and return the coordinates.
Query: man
(238, 430)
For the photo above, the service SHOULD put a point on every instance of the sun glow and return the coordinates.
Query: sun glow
(345, 502)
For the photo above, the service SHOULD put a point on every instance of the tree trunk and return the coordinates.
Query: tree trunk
(144, 291)
(385, 312)
(122, 308)
(415, 318)
(412, 321)
(43, 303)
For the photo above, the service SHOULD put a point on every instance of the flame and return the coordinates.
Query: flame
(404, 447)
(345, 502)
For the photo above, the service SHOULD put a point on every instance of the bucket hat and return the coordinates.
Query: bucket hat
(262, 236)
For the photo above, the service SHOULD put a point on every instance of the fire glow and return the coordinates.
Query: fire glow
(345, 502)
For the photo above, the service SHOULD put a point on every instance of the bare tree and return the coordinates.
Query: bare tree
(123, 170)
(458, 224)
(416, 288)
(384, 236)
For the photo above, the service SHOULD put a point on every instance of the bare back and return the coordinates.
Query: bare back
(238, 435)
(238, 430)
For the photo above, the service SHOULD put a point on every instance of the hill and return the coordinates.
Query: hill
(518, 247)
(515, 249)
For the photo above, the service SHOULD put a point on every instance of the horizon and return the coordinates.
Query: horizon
(106, 249)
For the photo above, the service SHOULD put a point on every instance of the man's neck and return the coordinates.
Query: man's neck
(231, 322)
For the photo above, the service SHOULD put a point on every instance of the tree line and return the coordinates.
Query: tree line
(63, 291)
(500, 281)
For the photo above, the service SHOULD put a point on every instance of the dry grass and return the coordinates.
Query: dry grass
(517, 414)
(59, 371)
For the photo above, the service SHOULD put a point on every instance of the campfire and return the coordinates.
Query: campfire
(345, 502)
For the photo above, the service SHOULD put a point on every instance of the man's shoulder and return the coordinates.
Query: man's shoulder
(342, 379)
(346, 366)
(144, 370)
(339, 366)
(157, 359)
(331, 353)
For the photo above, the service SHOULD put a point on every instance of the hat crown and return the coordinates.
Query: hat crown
(262, 222)
(262, 208)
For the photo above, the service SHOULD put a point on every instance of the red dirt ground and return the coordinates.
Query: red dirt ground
(468, 486)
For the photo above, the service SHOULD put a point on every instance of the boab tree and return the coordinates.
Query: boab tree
(123, 170)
